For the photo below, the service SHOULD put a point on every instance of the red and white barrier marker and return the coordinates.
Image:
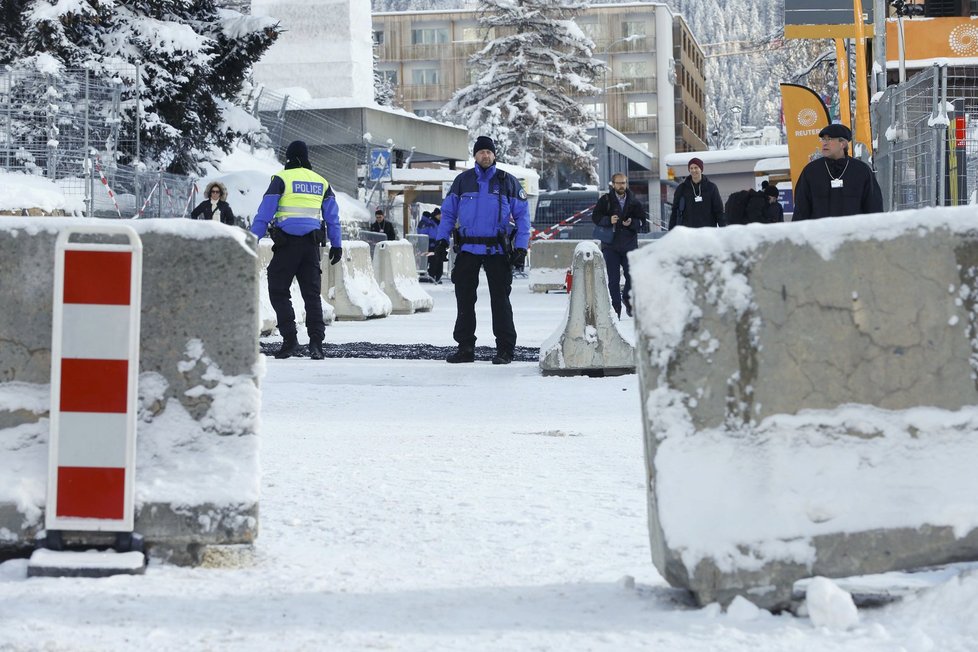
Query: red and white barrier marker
(94, 375)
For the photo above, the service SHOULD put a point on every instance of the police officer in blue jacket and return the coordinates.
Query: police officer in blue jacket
(299, 211)
(478, 209)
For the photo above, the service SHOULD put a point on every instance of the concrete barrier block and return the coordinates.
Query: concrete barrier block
(351, 286)
(588, 340)
(808, 394)
(397, 277)
(197, 445)
(269, 322)
(549, 262)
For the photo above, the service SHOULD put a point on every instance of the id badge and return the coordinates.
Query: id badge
(697, 199)
(836, 183)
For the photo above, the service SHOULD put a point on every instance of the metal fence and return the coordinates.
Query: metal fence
(71, 127)
(927, 139)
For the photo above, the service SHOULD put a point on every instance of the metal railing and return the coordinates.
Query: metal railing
(927, 139)
(73, 129)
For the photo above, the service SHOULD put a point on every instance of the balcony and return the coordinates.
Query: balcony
(426, 92)
(636, 84)
(426, 52)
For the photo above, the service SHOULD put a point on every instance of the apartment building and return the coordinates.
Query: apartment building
(653, 92)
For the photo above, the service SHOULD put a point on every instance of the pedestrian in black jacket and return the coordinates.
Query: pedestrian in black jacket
(216, 206)
(697, 201)
(836, 184)
(381, 225)
(773, 210)
(623, 212)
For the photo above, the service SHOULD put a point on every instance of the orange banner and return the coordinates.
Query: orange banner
(926, 39)
(804, 116)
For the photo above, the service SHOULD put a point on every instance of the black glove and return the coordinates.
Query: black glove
(335, 254)
(518, 258)
(441, 250)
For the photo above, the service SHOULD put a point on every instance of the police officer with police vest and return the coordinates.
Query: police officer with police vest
(478, 209)
(301, 209)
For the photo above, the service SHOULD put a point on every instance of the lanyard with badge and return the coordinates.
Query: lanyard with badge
(697, 197)
(836, 182)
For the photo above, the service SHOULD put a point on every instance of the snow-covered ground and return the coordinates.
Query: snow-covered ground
(416, 505)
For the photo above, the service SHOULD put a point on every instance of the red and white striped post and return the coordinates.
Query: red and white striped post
(94, 375)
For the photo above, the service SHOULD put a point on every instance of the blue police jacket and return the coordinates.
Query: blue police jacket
(480, 204)
(429, 227)
(298, 226)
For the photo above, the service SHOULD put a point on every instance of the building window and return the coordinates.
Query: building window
(633, 28)
(596, 109)
(389, 76)
(472, 35)
(593, 31)
(634, 69)
(424, 76)
(638, 109)
(429, 36)
(378, 36)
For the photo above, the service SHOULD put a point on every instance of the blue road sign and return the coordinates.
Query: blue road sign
(380, 164)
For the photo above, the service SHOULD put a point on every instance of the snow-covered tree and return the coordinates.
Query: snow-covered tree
(527, 80)
(191, 58)
(384, 91)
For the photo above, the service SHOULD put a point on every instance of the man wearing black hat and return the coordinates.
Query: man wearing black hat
(478, 208)
(836, 184)
(299, 212)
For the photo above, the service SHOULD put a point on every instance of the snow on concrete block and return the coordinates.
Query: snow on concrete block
(351, 286)
(830, 606)
(808, 394)
(588, 341)
(549, 262)
(396, 274)
(87, 563)
(197, 472)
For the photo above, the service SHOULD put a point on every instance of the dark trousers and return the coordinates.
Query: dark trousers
(297, 257)
(615, 262)
(465, 276)
(436, 267)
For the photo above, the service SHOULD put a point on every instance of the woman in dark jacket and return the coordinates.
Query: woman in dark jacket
(697, 201)
(773, 211)
(216, 206)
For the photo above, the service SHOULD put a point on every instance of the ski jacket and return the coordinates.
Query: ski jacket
(478, 208)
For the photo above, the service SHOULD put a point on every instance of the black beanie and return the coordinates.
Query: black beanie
(297, 151)
(483, 142)
(770, 190)
(836, 130)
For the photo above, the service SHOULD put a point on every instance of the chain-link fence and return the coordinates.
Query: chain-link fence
(72, 127)
(927, 139)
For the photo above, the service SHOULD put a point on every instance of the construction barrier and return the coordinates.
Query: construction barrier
(588, 341)
(396, 274)
(549, 262)
(350, 285)
(94, 368)
(269, 321)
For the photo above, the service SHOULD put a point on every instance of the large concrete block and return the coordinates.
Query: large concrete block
(549, 262)
(196, 459)
(809, 397)
(395, 272)
(588, 340)
(351, 287)
(268, 320)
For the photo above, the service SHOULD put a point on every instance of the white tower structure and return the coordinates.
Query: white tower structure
(325, 48)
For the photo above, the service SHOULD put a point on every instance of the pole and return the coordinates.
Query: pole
(862, 80)
(879, 43)
(842, 74)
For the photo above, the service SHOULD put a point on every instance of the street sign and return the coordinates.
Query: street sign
(380, 164)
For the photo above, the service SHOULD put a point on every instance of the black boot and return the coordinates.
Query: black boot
(502, 357)
(462, 354)
(628, 307)
(290, 346)
(316, 350)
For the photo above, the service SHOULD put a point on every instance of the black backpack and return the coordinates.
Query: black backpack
(744, 207)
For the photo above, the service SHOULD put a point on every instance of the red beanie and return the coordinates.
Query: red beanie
(697, 161)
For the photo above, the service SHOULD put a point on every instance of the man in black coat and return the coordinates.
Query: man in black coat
(623, 212)
(836, 184)
(697, 202)
(381, 225)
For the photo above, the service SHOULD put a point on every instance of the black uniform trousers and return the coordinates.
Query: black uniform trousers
(297, 257)
(465, 276)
